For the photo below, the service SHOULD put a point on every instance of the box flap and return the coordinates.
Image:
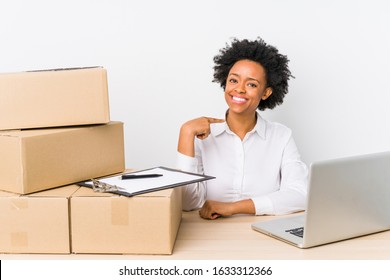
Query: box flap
(65, 191)
(8, 194)
(9, 133)
(89, 192)
(66, 69)
(21, 133)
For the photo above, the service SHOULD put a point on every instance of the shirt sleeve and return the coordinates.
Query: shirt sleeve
(291, 196)
(193, 195)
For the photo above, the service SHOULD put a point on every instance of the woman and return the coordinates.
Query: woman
(256, 162)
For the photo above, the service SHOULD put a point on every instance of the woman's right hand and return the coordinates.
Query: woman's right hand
(199, 128)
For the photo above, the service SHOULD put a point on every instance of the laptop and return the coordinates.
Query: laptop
(347, 197)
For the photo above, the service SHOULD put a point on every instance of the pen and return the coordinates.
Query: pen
(125, 177)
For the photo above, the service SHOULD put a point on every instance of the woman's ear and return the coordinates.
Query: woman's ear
(267, 93)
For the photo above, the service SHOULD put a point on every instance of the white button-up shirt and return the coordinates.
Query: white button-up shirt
(265, 167)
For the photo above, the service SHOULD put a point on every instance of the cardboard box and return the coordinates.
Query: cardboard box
(40, 159)
(53, 98)
(36, 223)
(113, 224)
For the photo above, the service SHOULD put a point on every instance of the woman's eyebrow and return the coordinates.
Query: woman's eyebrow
(251, 79)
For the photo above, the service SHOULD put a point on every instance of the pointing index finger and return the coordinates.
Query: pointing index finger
(215, 120)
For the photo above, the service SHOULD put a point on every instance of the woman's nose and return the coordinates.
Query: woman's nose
(240, 88)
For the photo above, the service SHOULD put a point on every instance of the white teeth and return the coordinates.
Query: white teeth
(238, 99)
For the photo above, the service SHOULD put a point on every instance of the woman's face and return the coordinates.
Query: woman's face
(246, 86)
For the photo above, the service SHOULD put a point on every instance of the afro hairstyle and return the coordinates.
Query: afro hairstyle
(274, 63)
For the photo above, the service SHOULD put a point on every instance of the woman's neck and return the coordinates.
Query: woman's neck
(241, 124)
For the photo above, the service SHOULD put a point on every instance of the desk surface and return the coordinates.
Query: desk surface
(233, 239)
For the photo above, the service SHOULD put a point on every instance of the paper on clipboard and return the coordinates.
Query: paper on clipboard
(170, 178)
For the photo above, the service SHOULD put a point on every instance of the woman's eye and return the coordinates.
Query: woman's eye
(233, 81)
(252, 85)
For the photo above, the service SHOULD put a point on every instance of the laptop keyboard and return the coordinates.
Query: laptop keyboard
(296, 231)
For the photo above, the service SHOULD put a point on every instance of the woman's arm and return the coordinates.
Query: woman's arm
(214, 209)
(193, 195)
(291, 196)
(199, 128)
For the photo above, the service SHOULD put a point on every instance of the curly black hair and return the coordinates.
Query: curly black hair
(274, 63)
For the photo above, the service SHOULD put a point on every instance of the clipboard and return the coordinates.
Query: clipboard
(165, 178)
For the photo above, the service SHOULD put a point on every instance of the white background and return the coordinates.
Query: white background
(159, 58)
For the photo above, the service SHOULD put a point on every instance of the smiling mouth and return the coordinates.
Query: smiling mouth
(238, 99)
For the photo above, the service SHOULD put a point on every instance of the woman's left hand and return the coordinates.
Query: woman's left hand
(214, 209)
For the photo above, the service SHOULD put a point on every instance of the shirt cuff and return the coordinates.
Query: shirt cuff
(263, 205)
(186, 163)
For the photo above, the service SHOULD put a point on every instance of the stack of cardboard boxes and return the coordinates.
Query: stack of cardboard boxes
(55, 131)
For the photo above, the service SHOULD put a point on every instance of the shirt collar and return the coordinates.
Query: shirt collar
(260, 127)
